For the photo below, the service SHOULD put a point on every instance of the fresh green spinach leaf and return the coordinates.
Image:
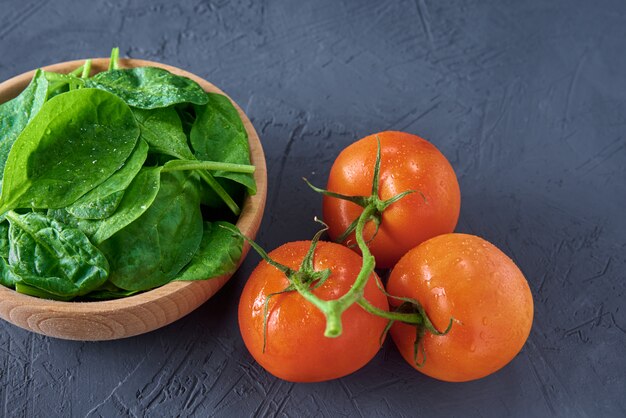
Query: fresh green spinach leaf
(62, 83)
(25, 289)
(149, 87)
(137, 198)
(4, 239)
(8, 278)
(187, 114)
(53, 257)
(88, 226)
(15, 114)
(163, 131)
(218, 254)
(102, 201)
(218, 134)
(111, 167)
(75, 142)
(209, 198)
(152, 250)
(109, 291)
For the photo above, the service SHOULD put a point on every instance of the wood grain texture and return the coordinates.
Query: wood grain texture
(121, 318)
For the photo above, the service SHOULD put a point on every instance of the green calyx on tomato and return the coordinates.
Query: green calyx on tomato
(306, 279)
(405, 313)
(410, 312)
(407, 163)
(465, 277)
(373, 201)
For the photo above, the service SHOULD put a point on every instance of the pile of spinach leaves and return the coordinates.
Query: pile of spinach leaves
(118, 183)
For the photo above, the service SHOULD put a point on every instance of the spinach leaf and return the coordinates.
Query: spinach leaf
(163, 131)
(187, 114)
(8, 278)
(62, 83)
(25, 289)
(98, 208)
(218, 134)
(150, 251)
(209, 198)
(53, 257)
(88, 226)
(102, 201)
(218, 254)
(136, 199)
(76, 141)
(149, 87)
(84, 214)
(4, 239)
(109, 291)
(219, 191)
(15, 114)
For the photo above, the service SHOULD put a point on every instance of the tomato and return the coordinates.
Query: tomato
(469, 279)
(296, 348)
(408, 162)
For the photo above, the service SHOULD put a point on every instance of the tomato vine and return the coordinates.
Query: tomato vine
(306, 278)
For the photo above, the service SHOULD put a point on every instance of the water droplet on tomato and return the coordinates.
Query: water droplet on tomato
(472, 348)
(485, 320)
(439, 292)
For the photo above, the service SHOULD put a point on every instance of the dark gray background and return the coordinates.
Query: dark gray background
(527, 100)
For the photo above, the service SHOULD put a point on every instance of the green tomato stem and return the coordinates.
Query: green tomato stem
(356, 291)
(333, 309)
(407, 318)
(373, 208)
(334, 327)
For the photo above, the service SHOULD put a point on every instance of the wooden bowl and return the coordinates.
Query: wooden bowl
(109, 320)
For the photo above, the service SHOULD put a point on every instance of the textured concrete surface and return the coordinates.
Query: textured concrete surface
(526, 98)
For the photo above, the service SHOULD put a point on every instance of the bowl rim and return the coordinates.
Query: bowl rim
(248, 222)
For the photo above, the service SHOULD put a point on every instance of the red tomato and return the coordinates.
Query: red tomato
(296, 348)
(465, 277)
(408, 162)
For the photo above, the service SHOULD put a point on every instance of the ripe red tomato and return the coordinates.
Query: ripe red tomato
(408, 162)
(296, 348)
(465, 277)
